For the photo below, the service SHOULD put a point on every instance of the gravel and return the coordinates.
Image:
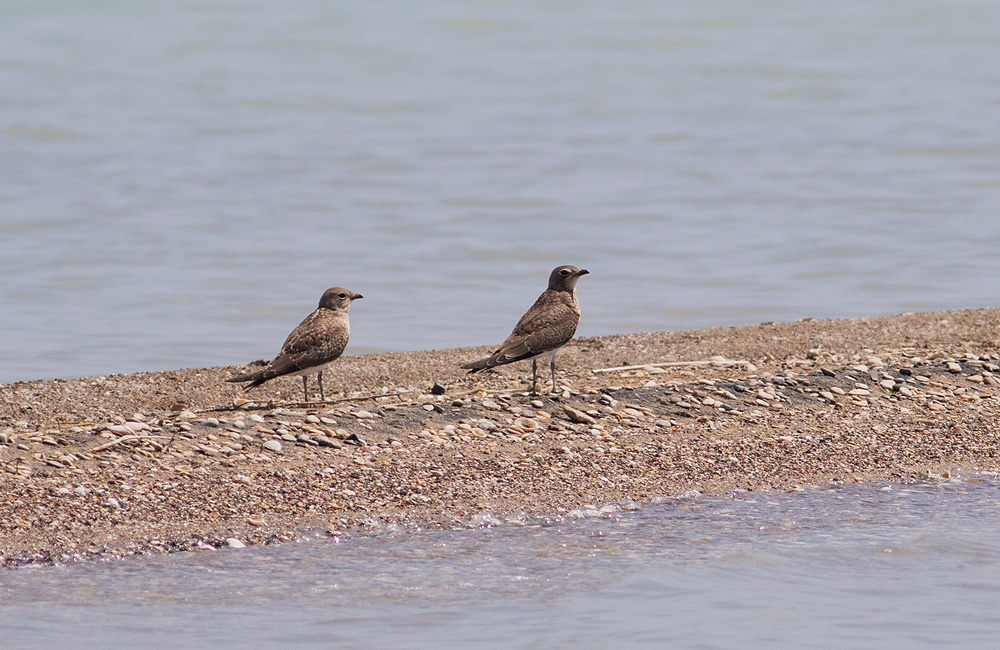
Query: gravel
(181, 460)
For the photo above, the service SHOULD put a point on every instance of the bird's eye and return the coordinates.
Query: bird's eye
(564, 272)
(341, 295)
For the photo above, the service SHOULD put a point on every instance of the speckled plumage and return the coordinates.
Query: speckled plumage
(317, 342)
(547, 326)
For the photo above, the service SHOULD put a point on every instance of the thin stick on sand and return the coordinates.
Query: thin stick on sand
(121, 440)
(718, 362)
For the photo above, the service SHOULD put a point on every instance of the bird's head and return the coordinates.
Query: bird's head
(338, 298)
(563, 278)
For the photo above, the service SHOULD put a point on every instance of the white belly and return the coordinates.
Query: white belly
(305, 372)
(551, 354)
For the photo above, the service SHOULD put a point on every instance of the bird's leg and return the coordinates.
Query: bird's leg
(534, 375)
(322, 397)
(553, 373)
(305, 389)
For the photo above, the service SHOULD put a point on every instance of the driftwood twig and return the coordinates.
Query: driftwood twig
(714, 361)
(120, 441)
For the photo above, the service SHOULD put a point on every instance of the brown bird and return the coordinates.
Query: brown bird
(317, 342)
(546, 327)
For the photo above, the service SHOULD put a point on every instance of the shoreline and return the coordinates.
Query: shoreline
(165, 461)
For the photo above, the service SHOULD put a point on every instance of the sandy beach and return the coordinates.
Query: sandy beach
(166, 461)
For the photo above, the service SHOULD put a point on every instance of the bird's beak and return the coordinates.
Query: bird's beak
(582, 272)
(356, 296)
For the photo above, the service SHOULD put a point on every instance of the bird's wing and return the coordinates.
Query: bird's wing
(320, 338)
(549, 324)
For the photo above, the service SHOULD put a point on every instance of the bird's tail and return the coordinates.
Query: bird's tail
(476, 366)
(255, 379)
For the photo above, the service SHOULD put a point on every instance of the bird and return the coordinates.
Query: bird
(543, 329)
(317, 342)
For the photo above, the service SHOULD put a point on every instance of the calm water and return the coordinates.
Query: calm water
(179, 181)
(840, 567)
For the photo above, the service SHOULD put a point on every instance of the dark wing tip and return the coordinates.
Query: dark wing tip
(476, 366)
(255, 379)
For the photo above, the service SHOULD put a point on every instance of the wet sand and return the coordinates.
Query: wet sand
(166, 461)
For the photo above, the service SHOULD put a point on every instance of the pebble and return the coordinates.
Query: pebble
(210, 422)
(355, 439)
(272, 445)
(256, 418)
(364, 415)
(954, 367)
(578, 416)
(526, 423)
(232, 542)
